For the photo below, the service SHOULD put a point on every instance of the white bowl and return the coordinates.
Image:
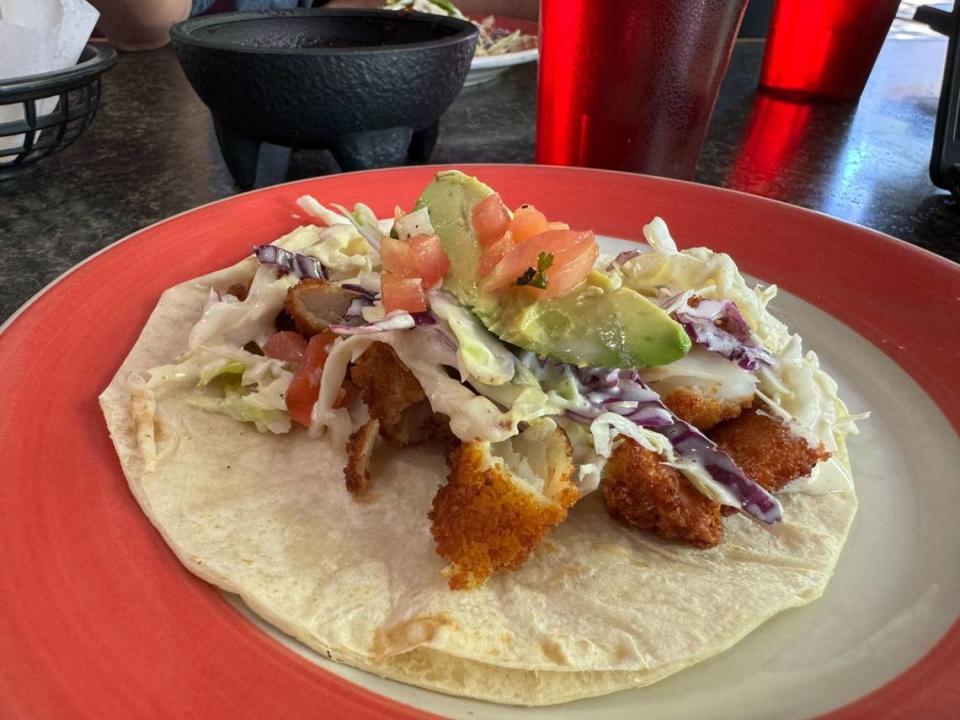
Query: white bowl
(486, 68)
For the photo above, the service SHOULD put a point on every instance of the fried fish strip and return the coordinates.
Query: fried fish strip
(394, 397)
(313, 304)
(766, 449)
(359, 449)
(704, 411)
(641, 491)
(487, 517)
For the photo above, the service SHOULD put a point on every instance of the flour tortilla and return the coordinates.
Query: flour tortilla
(598, 607)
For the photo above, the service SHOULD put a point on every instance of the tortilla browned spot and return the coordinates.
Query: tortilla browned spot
(405, 636)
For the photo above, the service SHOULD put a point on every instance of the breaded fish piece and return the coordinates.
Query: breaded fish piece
(766, 449)
(386, 385)
(702, 388)
(394, 397)
(640, 490)
(500, 500)
(314, 304)
(359, 450)
(419, 424)
(703, 410)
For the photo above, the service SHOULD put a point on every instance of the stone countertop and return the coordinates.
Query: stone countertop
(151, 153)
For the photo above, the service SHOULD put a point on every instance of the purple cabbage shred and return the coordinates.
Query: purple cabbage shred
(622, 392)
(718, 326)
(621, 258)
(360, 290)
(303, 266)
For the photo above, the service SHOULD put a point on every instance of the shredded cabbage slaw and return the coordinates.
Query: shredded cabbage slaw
(491, 391)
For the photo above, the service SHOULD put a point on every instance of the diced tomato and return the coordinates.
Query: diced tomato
(492, 254)
(305, 386)
(422, 256)
(401, 293)
(397, 257)
(285, 345)
(490, 219)
(527, 222)
(431, 259)
(573, 256)
(573, 267)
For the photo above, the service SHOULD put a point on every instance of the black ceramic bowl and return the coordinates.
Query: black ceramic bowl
(367, 85)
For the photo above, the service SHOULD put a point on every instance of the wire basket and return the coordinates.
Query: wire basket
(50, 110)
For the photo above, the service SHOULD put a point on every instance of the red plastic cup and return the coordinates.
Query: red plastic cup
(631, 84)
(824, 48)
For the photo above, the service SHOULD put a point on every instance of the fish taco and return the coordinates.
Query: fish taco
(464, 449)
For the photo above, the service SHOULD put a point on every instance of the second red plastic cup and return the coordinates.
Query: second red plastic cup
(824, 48)
(630, 85)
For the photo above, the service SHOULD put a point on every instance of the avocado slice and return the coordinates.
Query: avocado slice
(593, 325)
(449, 200)
(614, 329)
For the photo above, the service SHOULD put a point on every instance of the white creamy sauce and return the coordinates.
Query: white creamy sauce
(827, 477)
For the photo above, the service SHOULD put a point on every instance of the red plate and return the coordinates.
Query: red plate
(97, 617)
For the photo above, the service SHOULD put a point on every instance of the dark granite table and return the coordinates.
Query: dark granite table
(151, 153)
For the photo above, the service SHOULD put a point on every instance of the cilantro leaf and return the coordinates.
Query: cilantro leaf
(537, 278)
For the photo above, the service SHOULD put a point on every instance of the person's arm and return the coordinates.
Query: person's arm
(140, 24)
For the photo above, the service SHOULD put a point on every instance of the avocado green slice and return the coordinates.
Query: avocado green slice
(591, 326)
(450, 199)
(614, 329)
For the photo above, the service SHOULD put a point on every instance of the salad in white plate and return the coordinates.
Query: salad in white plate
(493, 40)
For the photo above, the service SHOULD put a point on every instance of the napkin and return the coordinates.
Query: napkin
(38, 36)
